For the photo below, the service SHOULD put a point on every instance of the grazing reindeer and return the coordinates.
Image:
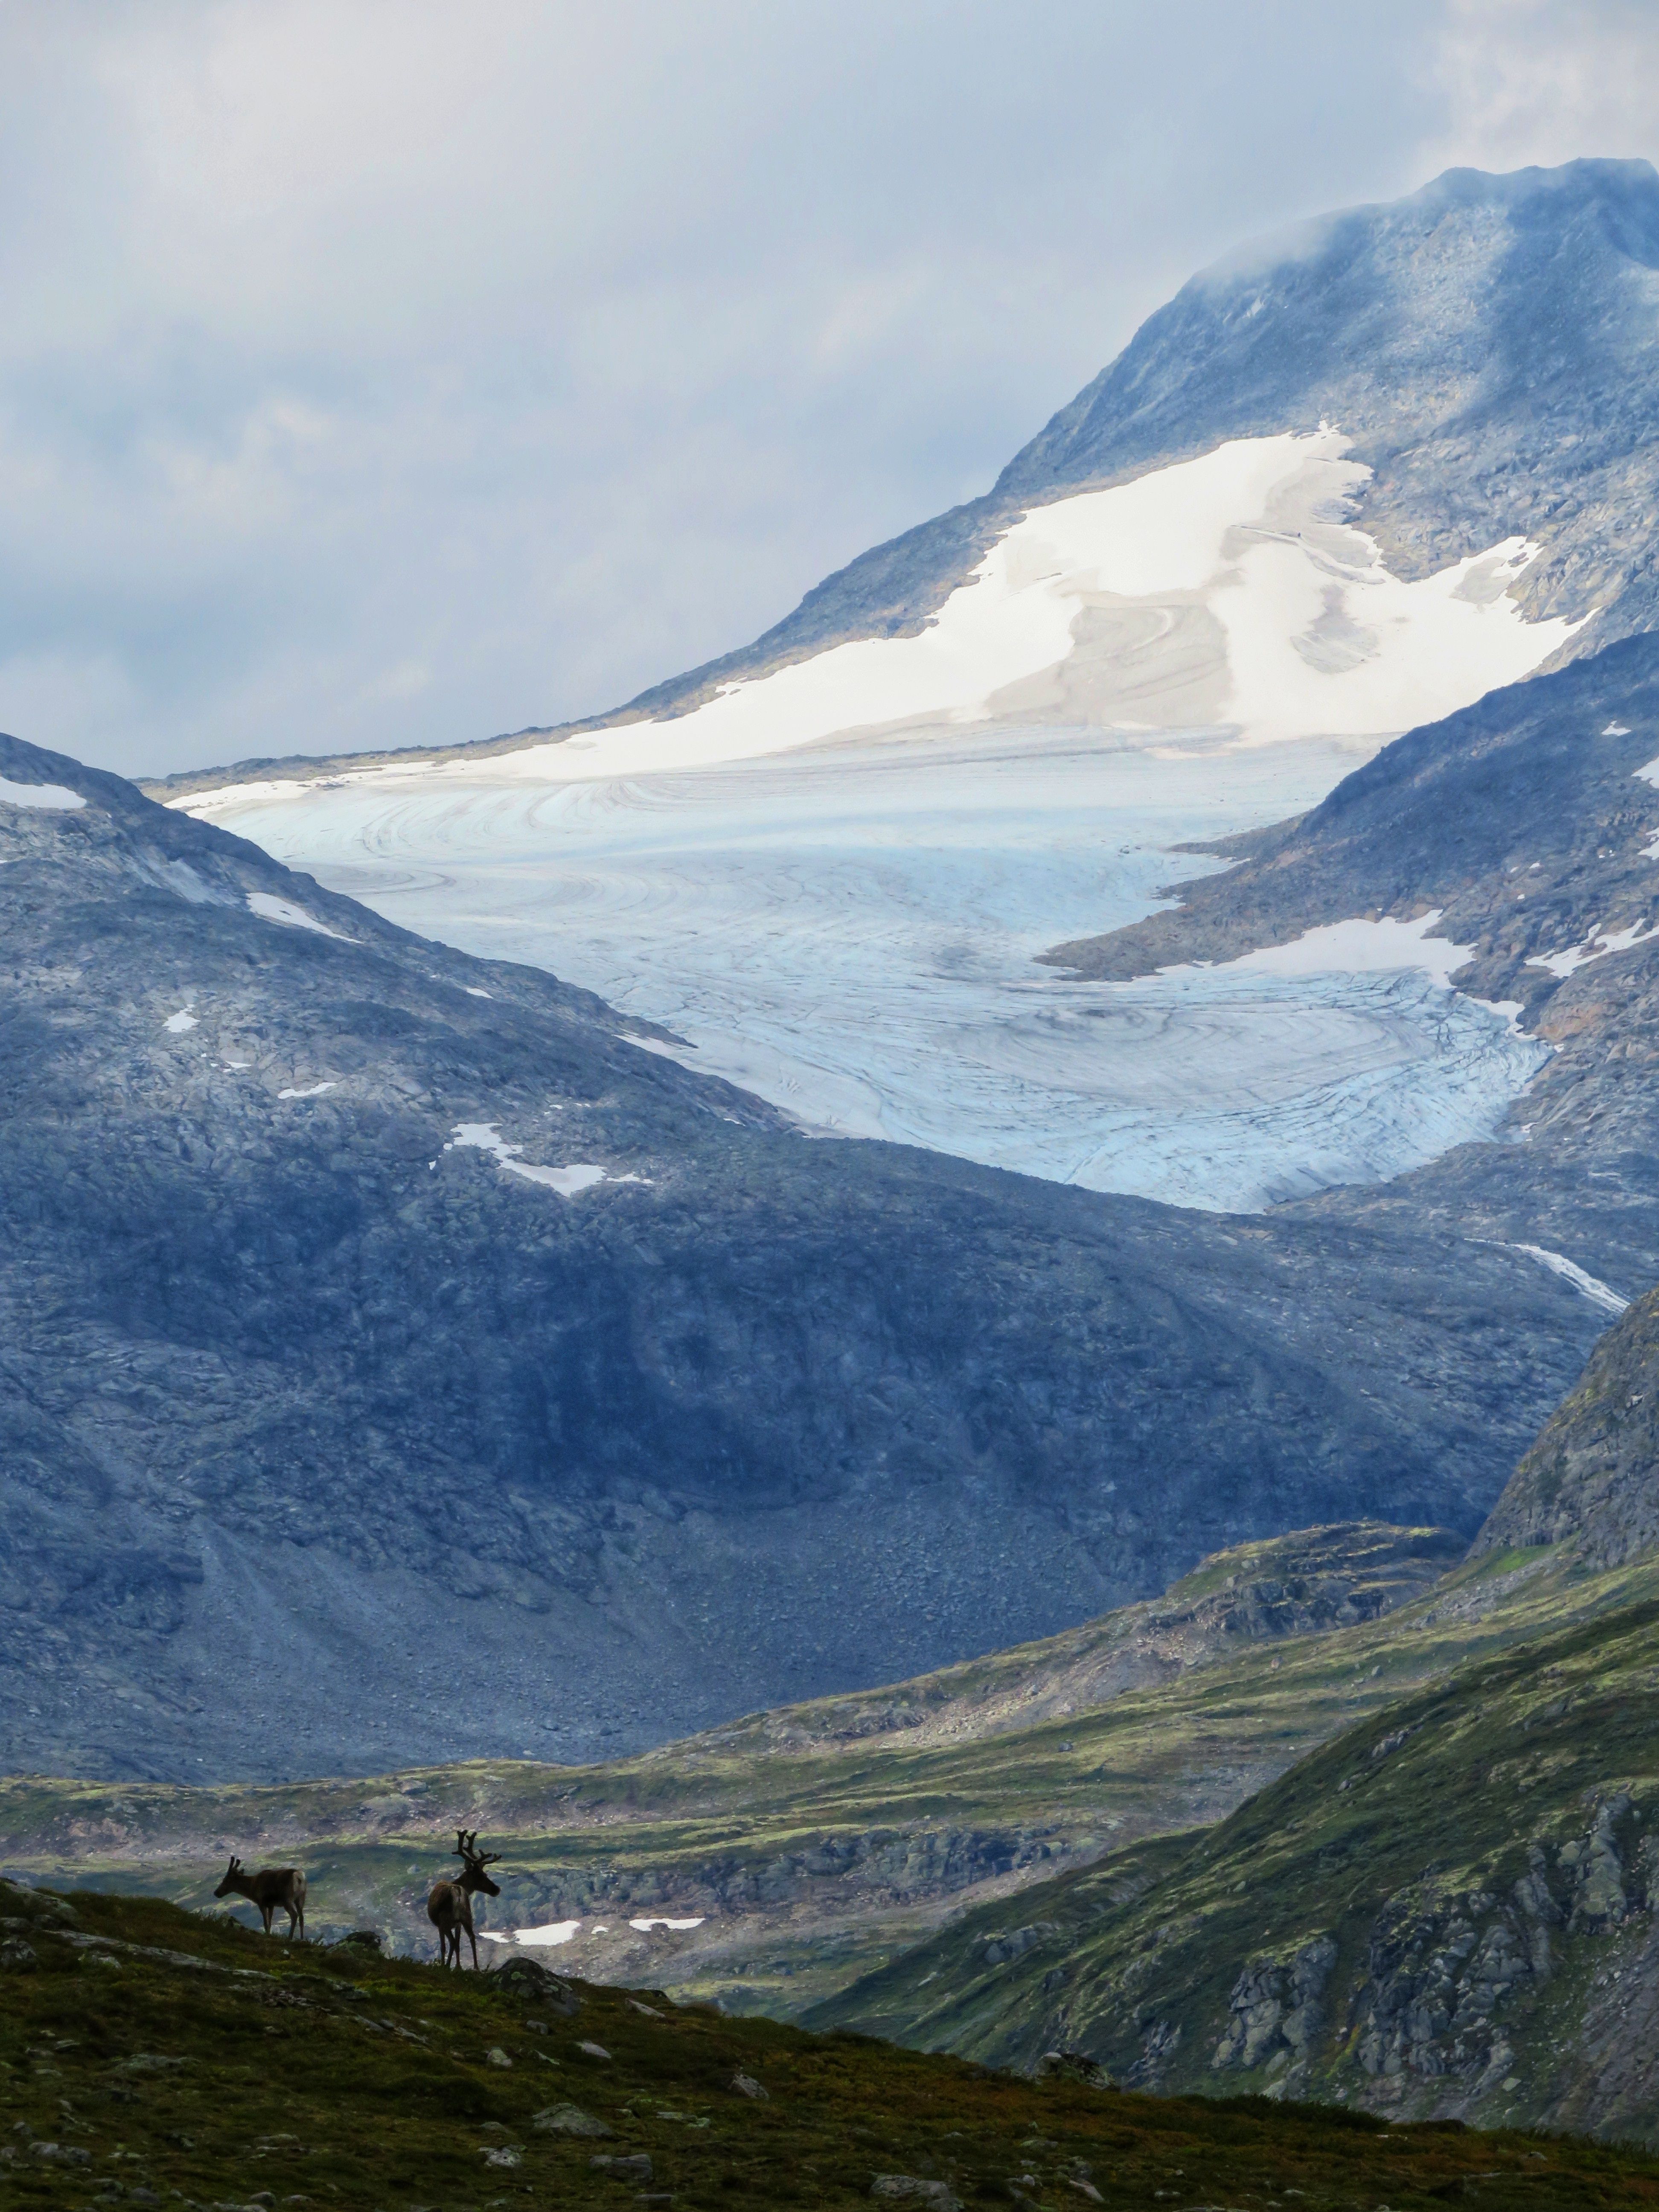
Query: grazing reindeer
(449, 1908)
(269, 1887)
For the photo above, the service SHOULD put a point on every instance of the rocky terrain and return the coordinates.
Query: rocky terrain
(320, 1367)
(1447, 1911)
(1592, 1479)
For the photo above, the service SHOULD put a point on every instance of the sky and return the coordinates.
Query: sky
(377, 375)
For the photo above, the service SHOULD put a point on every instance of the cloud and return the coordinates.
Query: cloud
(378, 375)
(1530, 82)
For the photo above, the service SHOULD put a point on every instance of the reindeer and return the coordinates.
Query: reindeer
(271, 1888)
(449, 1908)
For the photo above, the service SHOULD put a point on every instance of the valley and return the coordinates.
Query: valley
(956, 1320)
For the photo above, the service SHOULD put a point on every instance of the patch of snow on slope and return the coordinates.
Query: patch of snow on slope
(314, 1091)
(1596, 946)
(554, 1931)
(57, 796)
(646, 1926)
(270, 907)
(1219, 592)
(568, 1182)
(1359, 948)
(176, 1024)
(1589, 1286)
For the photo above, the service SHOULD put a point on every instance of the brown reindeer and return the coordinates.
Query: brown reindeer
(449, 1908)
(271, 1888)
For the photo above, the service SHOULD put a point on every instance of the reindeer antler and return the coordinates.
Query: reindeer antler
(464, 1843)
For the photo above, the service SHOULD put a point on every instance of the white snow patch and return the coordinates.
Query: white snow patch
(238, 1063)
(1616, 730)
(1219, 592)
(473, 991)
(1355, 948)
(270, 907)
(646, 1926)
(555, 1931)
(176, 1024)
(315, 1090)
(56, 796)
(567, 1181)
(1596, 946)
(1596, 1292)
(1648, 772)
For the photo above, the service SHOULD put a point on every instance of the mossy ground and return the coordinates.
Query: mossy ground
(1442, 1795)
(239, 2069)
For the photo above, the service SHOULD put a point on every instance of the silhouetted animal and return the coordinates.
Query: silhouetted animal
(449, 1908)
(271, 1888)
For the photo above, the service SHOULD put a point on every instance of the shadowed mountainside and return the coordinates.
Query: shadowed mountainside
(302, 1379)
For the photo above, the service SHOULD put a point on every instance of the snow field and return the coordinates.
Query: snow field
(845, 923)
(849, 931)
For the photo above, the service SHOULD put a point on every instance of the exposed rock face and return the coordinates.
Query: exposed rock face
(1276, 2010)
(316, 1373)
(1449, 1911)
(1593, 1477)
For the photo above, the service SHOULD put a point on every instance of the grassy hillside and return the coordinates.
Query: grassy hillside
(1449, 1910)
(816, 1845)
(149, 2056)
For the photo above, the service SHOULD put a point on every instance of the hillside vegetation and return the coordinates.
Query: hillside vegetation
(147, 2055)
(1447, 1911)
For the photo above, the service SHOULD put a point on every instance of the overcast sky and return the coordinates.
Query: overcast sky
(395, 374)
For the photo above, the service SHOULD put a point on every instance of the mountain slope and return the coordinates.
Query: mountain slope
(1592, 1479)
(206, 2060)
(1484, 345)
(1450, 1909)
(302, 1373)
(1447, 1912)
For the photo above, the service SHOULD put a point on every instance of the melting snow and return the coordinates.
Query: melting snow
(1596, 946)
(557, 1931)
(56, 796)
(646, 1926)
(473, 991)
(176, 1024)
(270, 907)
(1619, 729)
(1357, 948)
(1217, 593)
(315, 1090)
(568, 1182)
(1597, 1292)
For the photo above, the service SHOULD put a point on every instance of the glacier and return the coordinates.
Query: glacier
(830, 882)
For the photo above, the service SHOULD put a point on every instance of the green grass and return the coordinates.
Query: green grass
(233, 2068)
(737, 1813)
(1426, 1809)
